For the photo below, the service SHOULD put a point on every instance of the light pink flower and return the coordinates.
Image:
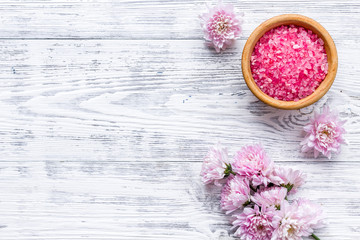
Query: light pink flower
(252, 162)
(270, 197)
(254, 224)
(288, 223)
(297, 220)
(312, 213)
(221, 26)
(288, 178)
(214, 165)
(324, 134)
(235, 194)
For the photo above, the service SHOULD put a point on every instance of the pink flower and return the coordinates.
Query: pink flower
(270, 197)
(214, 165)
(221, 26)
(288, 178)
(323, 134)
(288, 223)
(254, 224)
(235, 194)
(312, 213)
(297, 220)
(252, 162)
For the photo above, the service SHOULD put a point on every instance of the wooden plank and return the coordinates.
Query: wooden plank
(141, 19)
(147, 100)
(115, 200)
(107, 108)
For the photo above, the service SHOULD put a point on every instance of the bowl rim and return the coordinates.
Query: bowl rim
(298, 20)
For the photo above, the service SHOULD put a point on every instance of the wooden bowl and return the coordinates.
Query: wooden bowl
(307, 23)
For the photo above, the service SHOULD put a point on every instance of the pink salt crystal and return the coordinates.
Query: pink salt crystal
(289, 62)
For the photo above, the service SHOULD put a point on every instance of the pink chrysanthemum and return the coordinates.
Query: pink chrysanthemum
(324, 134)
(270, 197)
(252, 162)
(214, 165)
(297, 220)
(235, 194)
(288, 178)
(221, 26)
(254, 224)
(289, 223)
(312, 213)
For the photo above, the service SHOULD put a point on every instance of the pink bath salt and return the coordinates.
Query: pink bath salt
(289, 62)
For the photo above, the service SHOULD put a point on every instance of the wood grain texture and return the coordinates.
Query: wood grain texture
(160, 19)
(158, 200)
(107, 108)
(156, 100)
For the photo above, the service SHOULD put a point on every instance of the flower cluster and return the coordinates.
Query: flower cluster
(221, 26)
(255, 193)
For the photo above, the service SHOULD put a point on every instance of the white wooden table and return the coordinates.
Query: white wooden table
(107, 108)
